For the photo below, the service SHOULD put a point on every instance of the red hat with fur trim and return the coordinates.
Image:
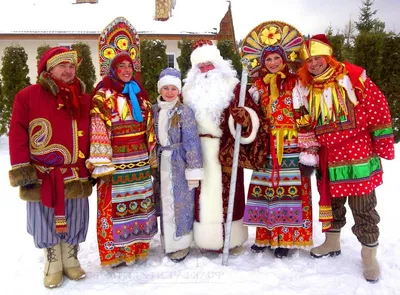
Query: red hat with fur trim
(55, 56)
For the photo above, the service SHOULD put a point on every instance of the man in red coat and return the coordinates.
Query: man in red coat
(49, 141)
(346, 115)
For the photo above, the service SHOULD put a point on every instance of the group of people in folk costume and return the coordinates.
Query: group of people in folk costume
(304, 111)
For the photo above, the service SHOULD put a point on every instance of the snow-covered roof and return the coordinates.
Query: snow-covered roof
(65, 17)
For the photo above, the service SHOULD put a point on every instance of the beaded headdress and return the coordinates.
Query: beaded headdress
(267, 35)
(119, 36)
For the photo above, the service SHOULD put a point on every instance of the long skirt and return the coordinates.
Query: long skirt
(126, 217)
(288, 236)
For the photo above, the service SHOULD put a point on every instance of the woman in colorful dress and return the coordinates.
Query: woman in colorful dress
(180, 165)
(279, 196)
(121, 152)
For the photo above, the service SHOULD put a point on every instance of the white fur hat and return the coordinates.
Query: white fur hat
(205, 53)
(170, 76)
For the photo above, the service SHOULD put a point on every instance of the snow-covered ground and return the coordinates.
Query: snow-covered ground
(249, 273)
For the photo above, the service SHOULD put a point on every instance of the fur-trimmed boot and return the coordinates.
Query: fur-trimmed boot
(53, 268)
(371, 266)
(71, 266)
(331, 246)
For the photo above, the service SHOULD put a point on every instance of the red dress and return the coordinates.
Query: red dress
(279, 198)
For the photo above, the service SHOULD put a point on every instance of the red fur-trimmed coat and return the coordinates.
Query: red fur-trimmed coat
(43, 132)
(212, 196)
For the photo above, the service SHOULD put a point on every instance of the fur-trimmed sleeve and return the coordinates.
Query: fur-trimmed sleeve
(22, 172)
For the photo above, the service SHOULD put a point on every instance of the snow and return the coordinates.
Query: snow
(200, 273)
(43, 16)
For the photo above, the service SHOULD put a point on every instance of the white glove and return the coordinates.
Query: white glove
(255, 95)
(192, 184)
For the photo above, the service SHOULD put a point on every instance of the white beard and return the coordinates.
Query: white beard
(209, 94)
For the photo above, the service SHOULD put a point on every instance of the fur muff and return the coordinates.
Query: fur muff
(72, 190)
(22, 175)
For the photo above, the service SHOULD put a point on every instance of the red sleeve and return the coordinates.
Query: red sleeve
(19, 130)
(379, 120)
(22, 172)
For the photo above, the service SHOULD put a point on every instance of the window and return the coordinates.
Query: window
(171, 60)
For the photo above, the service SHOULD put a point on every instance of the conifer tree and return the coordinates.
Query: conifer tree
(368, 54)
(349, 37)
(1, 95)
(15, 77)
(153, 60)
(337, 42)
(186, 47)
(229, 52)
(390, 80)
(366, 21)
(86, 71)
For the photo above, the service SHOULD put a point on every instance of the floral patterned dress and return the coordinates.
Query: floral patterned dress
(279, 197)
(126, 219)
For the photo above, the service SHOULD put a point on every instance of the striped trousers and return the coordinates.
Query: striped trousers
(41, 223)
(366, 218)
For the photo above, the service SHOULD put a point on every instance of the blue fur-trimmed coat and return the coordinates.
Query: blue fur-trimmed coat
(186, 161)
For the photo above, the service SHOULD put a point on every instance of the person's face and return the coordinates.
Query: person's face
(64, 72)
(124, 71)
(206, 66)
(274, 63)
(316, 65)
(169, 92)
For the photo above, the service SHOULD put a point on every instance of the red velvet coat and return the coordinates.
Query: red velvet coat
(44, 135)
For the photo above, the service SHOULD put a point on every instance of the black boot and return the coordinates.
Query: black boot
(257, 249)
(281, 252)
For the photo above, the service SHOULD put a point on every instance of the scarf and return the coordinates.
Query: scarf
(129, 89)
(325, 200)
(269, 97)
(327, 97)
(271, 80)
(173, 112)
(68, 95)
(132, 88)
